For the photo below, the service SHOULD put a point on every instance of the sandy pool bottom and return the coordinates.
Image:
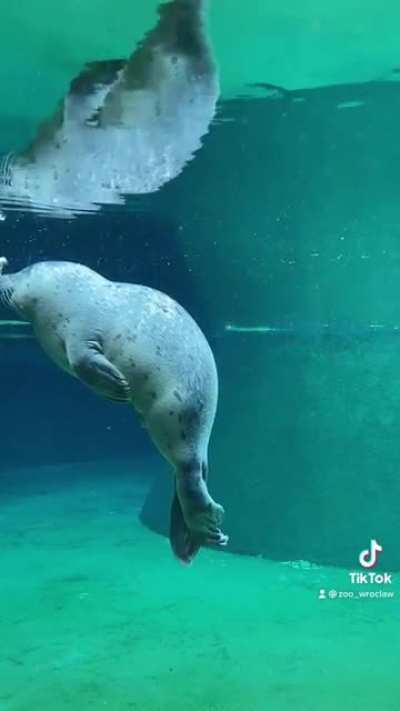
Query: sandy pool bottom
(95, 613)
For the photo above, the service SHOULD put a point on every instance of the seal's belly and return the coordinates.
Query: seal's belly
(53, 343)
(165, 360)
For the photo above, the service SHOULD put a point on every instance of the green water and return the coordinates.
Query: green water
(96, 614)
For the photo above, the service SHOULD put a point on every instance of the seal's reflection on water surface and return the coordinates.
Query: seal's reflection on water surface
(125, 126)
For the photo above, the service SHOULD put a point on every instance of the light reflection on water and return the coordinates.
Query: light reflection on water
(125, 127)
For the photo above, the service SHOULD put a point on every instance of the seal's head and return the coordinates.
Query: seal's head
(23, 291)
(15, 289)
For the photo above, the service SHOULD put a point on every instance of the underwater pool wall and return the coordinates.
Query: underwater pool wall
(290, 221)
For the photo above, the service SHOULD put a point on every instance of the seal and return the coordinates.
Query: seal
(135, 345)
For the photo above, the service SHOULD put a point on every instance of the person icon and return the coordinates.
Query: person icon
(322, 595)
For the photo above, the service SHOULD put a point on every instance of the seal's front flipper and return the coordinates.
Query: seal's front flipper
(182, 540)
(89, 89)
(90, 365)
(95, 75)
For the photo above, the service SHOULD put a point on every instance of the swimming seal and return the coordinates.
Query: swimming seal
(135, 345)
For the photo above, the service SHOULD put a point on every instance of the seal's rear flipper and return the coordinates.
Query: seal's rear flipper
(182, 542)
(170, 78)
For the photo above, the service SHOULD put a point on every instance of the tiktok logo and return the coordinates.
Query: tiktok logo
(369, 557)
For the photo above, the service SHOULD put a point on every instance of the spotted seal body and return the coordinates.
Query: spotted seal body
(134, 345)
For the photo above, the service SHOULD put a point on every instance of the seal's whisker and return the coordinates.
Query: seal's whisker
(6, 296)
